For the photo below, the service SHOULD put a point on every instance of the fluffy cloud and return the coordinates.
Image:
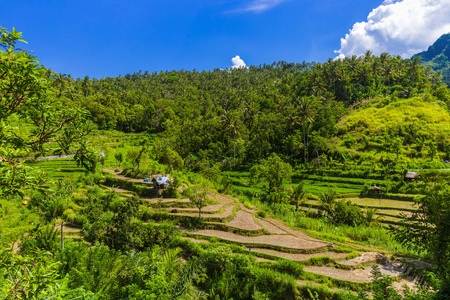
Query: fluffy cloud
(238, 62)
(258, 6)
(403, 27)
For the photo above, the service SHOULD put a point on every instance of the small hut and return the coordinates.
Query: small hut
(411, 176)
(160, 182)
(375, 190)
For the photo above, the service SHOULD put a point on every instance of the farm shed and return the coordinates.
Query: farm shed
(160, 182)
(411, 176)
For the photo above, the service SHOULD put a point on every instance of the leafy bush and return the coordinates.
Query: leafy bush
(41, 237)
(290, 267)
(261, 214)
(345, 212)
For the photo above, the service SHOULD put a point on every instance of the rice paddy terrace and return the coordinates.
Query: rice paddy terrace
(341, 265)
(388, 208)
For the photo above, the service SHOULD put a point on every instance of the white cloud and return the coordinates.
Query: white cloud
(385, 2)
(403, 27)
(238, 62)
(258, 6)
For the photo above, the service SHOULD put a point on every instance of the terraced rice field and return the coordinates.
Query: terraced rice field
(269, 239)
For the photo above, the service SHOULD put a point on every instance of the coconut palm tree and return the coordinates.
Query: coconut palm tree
(306, 107)
(298, 197)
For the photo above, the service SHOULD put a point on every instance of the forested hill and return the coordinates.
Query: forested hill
(438, 57)
(290, 109)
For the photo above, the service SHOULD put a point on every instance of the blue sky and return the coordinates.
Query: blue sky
(109, 37)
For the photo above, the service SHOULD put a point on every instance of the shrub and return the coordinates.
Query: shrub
(290, 267)
(347, 213)
(261, 214)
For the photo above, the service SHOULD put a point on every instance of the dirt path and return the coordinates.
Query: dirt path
(222, 199)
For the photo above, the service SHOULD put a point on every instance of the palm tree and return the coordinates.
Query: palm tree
(86, 84)
(298, 197)
(414, 72)
(327, 201)
(306, 107)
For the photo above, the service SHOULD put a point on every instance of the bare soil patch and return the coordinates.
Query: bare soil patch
(245, 208)
(299, 256)
(222, 199)
(164, 200)
(228, 211)
(366, 257)
(295, 232)
(197, 241)
(210, 209)
(273, 229)
(286, 241)
(244, 220)
(358, 275)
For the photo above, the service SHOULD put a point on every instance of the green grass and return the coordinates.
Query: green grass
(15, 220)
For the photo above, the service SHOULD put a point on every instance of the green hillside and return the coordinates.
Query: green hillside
(415, 127)
(438, 57)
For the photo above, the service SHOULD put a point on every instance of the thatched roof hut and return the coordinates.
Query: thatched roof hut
(411, 176)
(375, 189)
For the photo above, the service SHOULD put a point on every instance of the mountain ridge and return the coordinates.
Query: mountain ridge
(437, 56)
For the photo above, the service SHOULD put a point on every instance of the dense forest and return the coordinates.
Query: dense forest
(243, 115)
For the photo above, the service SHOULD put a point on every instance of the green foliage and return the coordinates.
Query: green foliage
(27, 94)
(274, 171)
(172, 159)
(198, 194)
(345, 212)
(437, 57)
(429, 227)
(17, 177)
(298, 197)
(94, 268)
(289, 267)
(327, 202)
(392, 126)
(236, 276)
(31, 277)
(43, 238)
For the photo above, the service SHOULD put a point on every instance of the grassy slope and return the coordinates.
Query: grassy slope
(409, 119)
